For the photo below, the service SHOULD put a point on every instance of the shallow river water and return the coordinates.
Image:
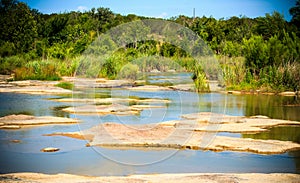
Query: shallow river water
(75, 158)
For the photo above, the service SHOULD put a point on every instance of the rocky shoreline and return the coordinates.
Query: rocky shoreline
(48, 87)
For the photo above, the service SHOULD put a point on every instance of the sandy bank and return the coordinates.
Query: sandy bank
(159, 178)
(19, 121)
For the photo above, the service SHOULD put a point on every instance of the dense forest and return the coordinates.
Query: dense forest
(255, 53)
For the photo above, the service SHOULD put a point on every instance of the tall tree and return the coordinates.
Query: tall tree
(271, 25)
(295, 12)
(18, 25)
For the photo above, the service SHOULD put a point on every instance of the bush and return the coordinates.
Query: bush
(68, 67)
(9, 64)
(129, 71)
(200, 80)
(37, 70)
(65, 85)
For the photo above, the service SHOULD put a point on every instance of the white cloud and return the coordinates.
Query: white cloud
(82, 8)
(162, 15)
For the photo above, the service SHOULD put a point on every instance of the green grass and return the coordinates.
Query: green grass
(65, 85)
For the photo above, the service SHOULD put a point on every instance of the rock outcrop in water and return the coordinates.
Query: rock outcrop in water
(19, 121)
(194, 132)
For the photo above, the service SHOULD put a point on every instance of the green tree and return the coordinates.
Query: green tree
(105, 17)
(256, 54)
(295, 12)
(17, 26)
(271, 25)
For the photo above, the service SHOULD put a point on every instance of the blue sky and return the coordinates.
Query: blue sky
(168, 8)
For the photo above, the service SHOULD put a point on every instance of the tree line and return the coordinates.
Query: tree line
(255, 53)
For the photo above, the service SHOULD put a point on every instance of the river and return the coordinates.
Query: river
(75, 158)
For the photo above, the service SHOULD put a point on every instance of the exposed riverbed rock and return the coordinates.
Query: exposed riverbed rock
(116, 109)
(212, 122)
(183, 87)
(149, 88)
(97, 82)
(155, 178)
(186, 134)
(18, 121)
(50, 149)
(33, 87)
(112, 100)
(36, 90)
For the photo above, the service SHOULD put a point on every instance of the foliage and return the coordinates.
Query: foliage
(65, 85)
(295, 12)
(254, 53)
(234, 70)
(37, 70)
(200, 79)
(129, 71)
(9, 64)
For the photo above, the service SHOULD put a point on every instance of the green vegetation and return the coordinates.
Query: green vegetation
(65, 85)
(254, 53)
(37, 70)
(129, 71)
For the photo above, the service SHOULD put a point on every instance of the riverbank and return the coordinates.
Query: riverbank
(50, 87)
(159, 178)
(258, 92)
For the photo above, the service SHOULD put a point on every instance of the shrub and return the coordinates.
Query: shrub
(9, 64)
(65, 85)
(37, 70)
(129, 71)
(200, 80)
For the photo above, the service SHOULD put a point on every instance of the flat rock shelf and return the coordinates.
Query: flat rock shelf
(19, 121)
(193, 132)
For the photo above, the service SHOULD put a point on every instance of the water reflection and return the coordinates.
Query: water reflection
(279, 107)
